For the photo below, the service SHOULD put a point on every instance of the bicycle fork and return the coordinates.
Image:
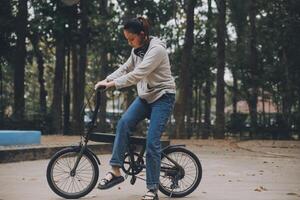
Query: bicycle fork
(82, 149)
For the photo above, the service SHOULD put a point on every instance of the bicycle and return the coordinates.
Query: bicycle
(73, 172)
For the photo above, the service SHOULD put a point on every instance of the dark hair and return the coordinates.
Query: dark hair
(137, 25)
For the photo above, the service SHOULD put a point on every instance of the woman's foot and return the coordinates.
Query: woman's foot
(110, 180)
(150, 195)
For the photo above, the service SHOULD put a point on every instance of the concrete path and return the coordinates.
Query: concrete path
(260, 170)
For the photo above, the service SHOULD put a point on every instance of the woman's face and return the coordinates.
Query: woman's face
(134, 40)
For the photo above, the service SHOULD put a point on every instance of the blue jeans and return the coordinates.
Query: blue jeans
(158, 112)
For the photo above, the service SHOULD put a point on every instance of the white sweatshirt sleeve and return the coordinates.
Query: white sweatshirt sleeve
(122, 70)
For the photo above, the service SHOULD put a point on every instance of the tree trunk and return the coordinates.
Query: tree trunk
(56, 110)
(253, 93)
(200, 109)
(234, 92)
(40, 62)
(73, 45)
(82, 60)
(196, 106)
(5, 50)
(207, 89)
(75, 92)
(184, 76)
(207, 109)
(239, 64)
(189, 109)
(263, 98)
(67, 95)
(20, 59)
(103, 11)
(220, 104)
(239, 12)
(286, 98)
(56, 107)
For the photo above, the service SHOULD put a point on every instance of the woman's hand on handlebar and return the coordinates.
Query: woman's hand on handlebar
(104, 84)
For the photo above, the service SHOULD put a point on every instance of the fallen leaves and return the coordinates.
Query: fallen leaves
(260, 189)
(292, 194)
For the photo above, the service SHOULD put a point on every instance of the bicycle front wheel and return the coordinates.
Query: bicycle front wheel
(179, 181)
(68, 184)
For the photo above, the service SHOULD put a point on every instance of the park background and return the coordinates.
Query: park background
(235, 62)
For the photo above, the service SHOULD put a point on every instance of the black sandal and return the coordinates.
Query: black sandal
(108, 183)
(150, 195)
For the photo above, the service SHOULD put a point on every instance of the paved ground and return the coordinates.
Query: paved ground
(260, 170)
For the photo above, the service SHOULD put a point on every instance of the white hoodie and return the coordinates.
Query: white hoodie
(152, 73)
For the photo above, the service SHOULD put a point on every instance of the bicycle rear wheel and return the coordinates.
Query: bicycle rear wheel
(179, 182)
(72, 185)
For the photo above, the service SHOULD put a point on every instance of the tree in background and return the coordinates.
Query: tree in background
(208, 82)
(184, 87)
(20, 58)
(68, 50)
(6, 27)
(219, 132)
(105, 13)
(56, 107)
(253, 77)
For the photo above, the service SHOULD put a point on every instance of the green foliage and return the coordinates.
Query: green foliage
(278, 44)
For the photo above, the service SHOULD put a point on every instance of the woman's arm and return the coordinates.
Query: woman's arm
(122, 70)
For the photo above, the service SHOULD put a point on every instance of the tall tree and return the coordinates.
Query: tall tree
(35, 38)
(208, 82)
(287, 60)
(56, 107)
(35, 35)
(184, 74)
(82, 57)
(73, 45)
(238, 17)
(104, 17)
(253, 68)
(220, 96)
(71, 72)
(6, 27)
(19, 73)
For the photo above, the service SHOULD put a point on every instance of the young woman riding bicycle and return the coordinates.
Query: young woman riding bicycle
(149, 68)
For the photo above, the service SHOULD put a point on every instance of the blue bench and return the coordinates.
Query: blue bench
(15, 137)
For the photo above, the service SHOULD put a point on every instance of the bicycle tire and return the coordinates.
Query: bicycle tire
(78, 179)
(198, 176)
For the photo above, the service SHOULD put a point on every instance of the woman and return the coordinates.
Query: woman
(148, 67)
